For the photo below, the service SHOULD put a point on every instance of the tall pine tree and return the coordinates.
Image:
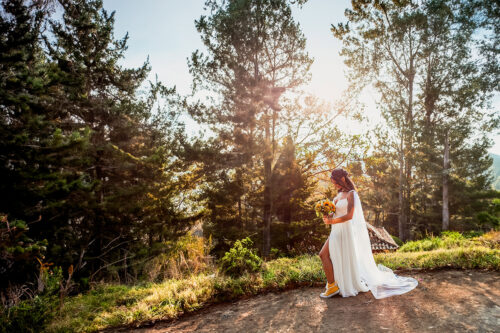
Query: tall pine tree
(256, 50)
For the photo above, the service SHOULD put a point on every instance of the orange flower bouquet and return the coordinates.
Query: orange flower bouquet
(324, 207)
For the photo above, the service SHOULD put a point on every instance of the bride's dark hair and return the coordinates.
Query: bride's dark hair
(337, 175)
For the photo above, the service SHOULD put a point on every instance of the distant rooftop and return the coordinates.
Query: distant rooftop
(380, 239)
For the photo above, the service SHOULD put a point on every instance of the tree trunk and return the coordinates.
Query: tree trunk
(240, 219)
(266, 244)
(267, 209)
(409, 151)
(402, 215)
(446, 166)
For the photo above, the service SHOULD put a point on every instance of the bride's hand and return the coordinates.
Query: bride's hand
(327, 219)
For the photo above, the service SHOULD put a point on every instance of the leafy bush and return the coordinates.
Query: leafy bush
(189, 254)
(490, 239)
(29, 315)
(276, 253)
(447, 240)
(487, 220)
(397, 240)
(452, 240)
(240, 259)
(17, 252)
(460, 257)
(35, 313)
(472, 233)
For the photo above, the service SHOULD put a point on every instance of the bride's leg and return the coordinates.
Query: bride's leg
(324, 254)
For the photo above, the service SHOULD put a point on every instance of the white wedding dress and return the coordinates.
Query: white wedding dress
(354, 268)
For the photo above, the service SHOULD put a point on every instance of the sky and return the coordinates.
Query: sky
(164, 30)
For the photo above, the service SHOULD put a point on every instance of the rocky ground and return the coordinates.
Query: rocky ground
(444, 301)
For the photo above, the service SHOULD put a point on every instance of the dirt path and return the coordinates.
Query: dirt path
(444, 301)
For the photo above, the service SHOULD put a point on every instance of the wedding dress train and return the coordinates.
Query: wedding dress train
(354, 268)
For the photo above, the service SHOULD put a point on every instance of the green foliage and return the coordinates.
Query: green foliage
(29, 154)
(185, 256)
(78, 140)
(485, 219)
(240, 259)
(417, 44)
(103, 307)
(51, 280)
(254, 151)
(470, 257)
(301, 236)
(34, 314)
(18, 252)
(276, 253)
(397, 240)
(490, 239)
(31, 315)
(447, 240)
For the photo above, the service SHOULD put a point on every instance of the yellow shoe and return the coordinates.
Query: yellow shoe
(331, 290)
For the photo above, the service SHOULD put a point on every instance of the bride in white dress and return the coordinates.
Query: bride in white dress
(347, 257)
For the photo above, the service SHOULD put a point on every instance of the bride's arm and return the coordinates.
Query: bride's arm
(347, 216)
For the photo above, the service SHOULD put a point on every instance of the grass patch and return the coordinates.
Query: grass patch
(451, 240)
(460, 257)
(111, 306)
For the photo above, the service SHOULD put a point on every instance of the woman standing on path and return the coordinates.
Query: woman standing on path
(347, 257)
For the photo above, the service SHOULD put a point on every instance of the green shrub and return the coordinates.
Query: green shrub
(34, 314)
(490, 239)
(486, 220)
(276, 253)
(447, 240)
(397, 240)
(240, 259)
(472, 233)
(29, 315)
(460, 257)
(426, 244)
